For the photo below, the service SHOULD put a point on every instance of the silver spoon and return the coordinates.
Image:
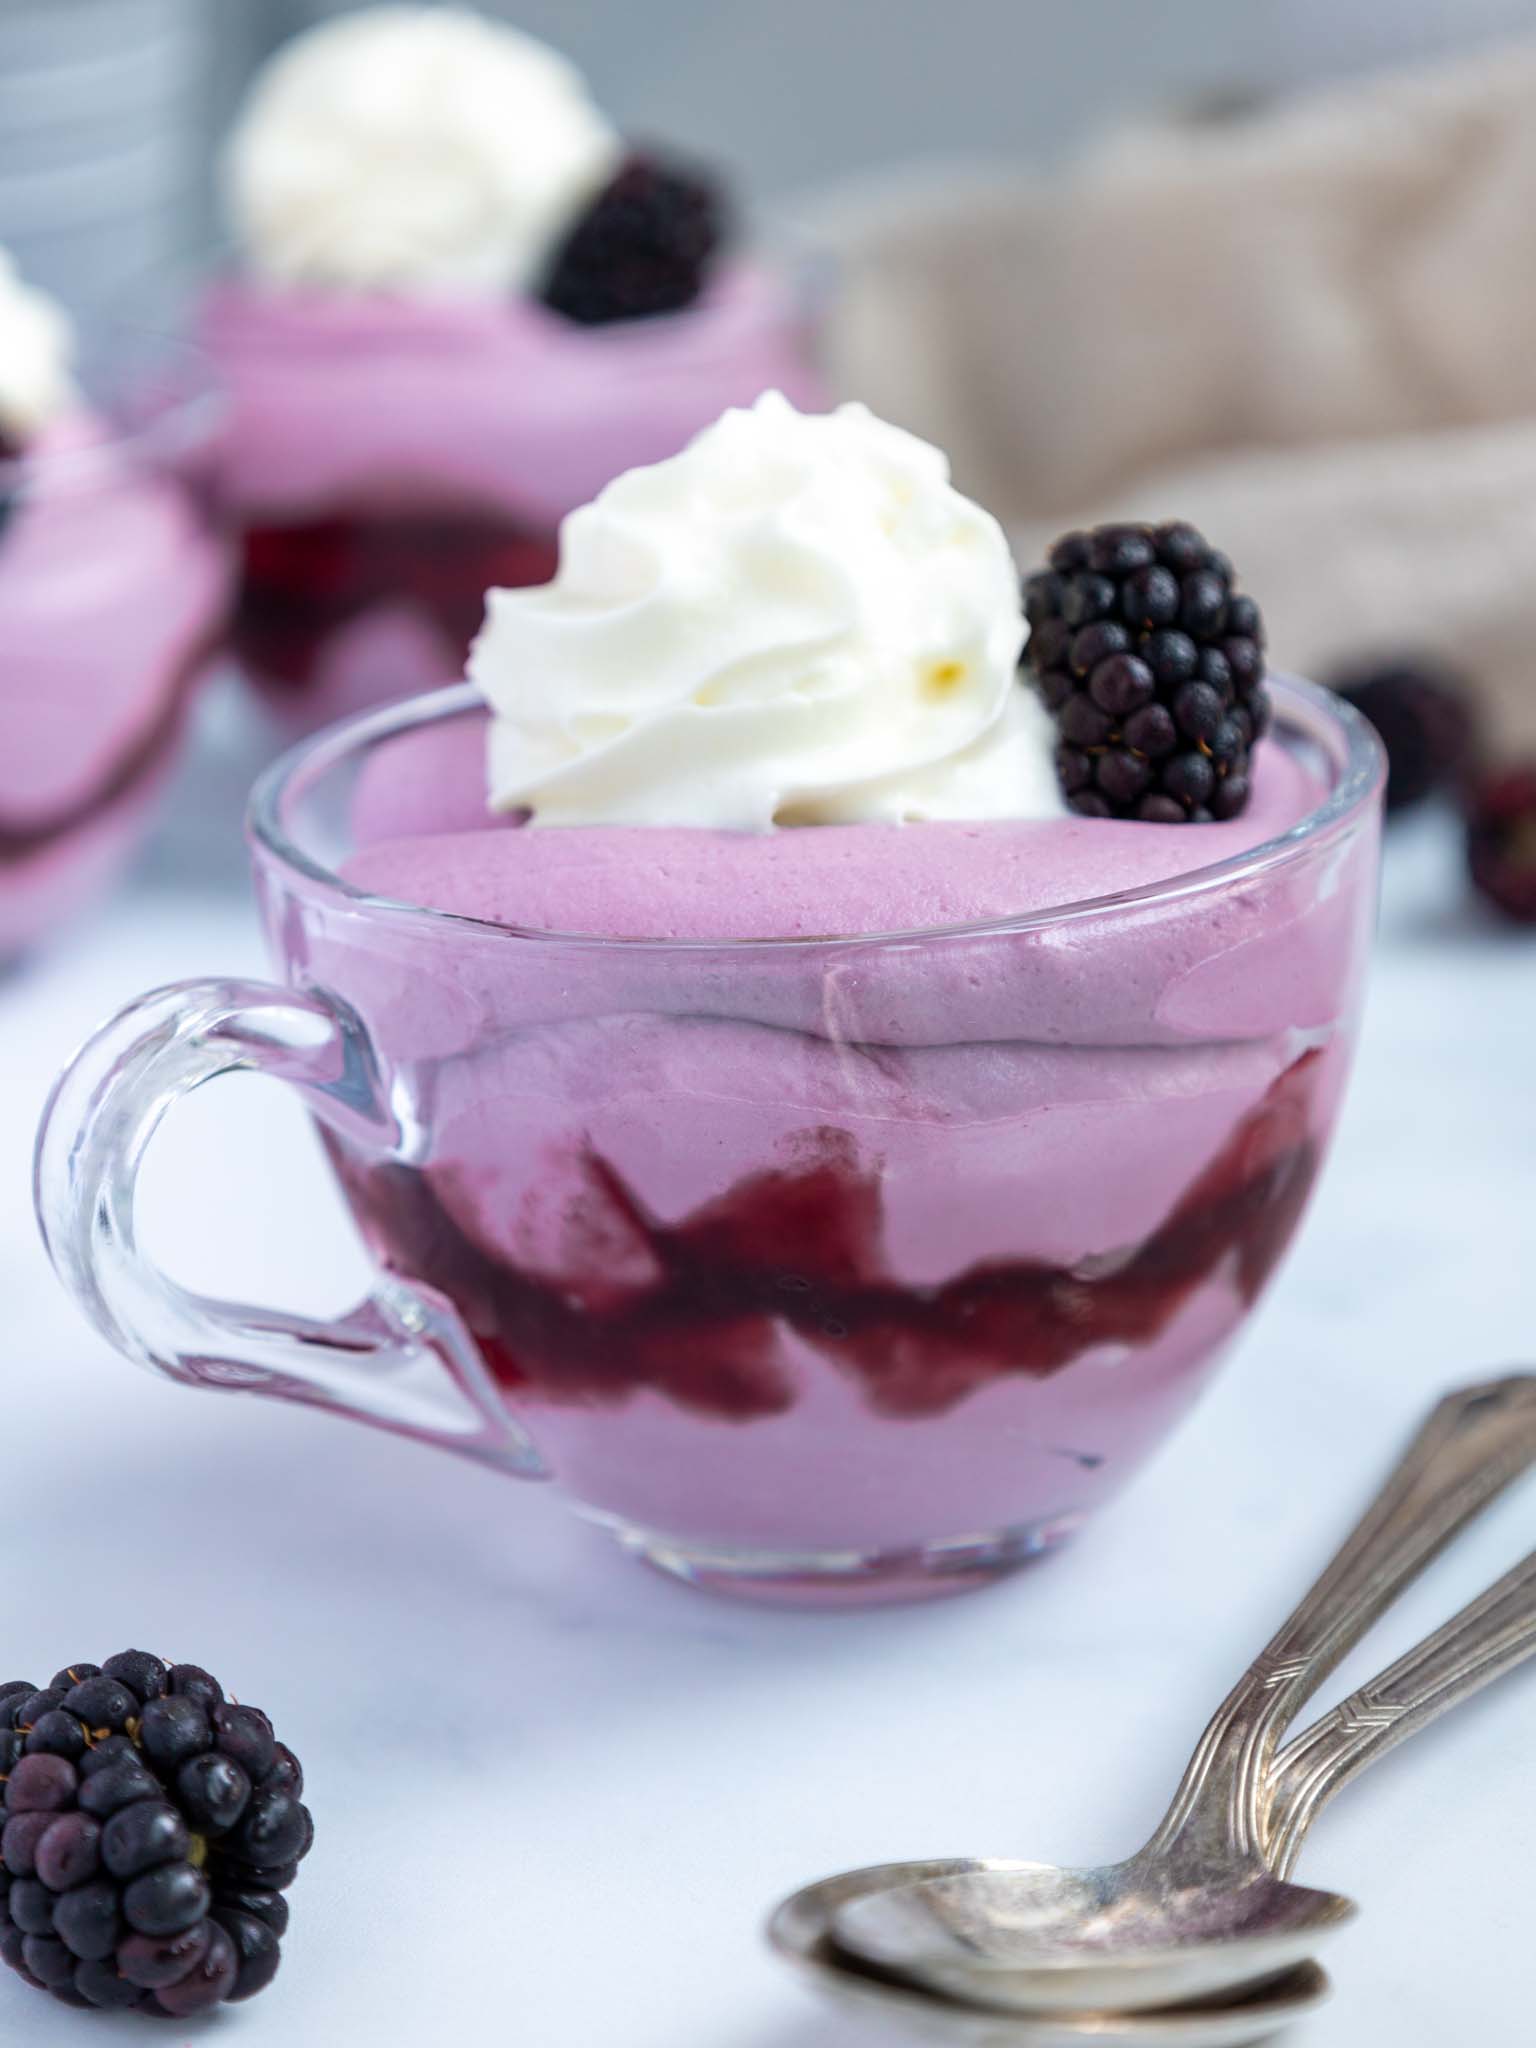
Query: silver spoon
(1198, 1910)
(1486, 1639)
(800, 1932)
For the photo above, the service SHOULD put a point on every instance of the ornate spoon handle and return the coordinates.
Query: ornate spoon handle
(1474, 1444)
(1488, 1637)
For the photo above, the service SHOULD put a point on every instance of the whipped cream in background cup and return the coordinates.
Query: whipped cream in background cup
(816, 1259)
(409, 423)
(113, 583)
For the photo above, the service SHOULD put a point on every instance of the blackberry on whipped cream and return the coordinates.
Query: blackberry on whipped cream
(798, 620)
(1153, 665)
(643, 246)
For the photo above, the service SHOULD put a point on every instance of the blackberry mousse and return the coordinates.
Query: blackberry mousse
(836, 1145)
(462, 303)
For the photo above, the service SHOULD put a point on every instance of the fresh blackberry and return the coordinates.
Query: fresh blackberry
(1153, 665)
(1423, 715)
(147, 1830)
(642, 247)
(1501, 840)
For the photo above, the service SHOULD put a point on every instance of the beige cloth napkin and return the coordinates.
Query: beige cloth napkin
(1314, 333)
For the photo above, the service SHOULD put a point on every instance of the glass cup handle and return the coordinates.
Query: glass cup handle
(402, 1360)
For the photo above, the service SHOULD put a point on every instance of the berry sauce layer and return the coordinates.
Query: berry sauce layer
(306, 581)
(696, 1310)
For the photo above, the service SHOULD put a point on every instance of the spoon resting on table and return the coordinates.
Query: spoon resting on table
(1202, 1909)
(1485, 1640)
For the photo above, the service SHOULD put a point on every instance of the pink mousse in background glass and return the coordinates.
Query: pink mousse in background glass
(839, 1208)
(440, 340)
(111, 595)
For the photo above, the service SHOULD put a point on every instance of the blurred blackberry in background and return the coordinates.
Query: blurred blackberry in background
(1153, 667)
(1501, 842)
(147, 1830)
(10, 452)
(642, 247)
(1423, 714)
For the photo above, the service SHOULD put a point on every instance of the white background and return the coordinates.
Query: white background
(556, 1795)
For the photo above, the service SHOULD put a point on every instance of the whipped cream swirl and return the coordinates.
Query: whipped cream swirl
(37, 345)
(796, 621)
(419, 149)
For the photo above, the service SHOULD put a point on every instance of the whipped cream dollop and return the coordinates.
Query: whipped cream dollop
(419, 149)
(37, 346)
(798, 620)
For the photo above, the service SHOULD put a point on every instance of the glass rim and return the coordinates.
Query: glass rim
(1360, 779)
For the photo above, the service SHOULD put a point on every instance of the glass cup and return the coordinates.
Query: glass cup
(112, 593)
(857, 1267)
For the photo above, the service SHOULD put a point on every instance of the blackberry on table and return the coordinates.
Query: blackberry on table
(1500, 813)
(148, 1828)
(1153, 666)
(1423, 715)
(642, 247)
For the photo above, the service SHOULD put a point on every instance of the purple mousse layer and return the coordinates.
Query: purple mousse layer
(376, 402)
(424, 837)
(1234, 965)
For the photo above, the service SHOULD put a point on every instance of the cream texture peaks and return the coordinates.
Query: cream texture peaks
(36, 347)
(419, 149)
(796, 621)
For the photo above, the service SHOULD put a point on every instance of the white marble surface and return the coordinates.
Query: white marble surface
(556, 1795)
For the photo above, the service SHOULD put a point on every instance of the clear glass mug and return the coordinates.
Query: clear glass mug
(832, 1267)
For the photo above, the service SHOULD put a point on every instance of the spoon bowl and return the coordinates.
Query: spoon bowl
(1047, 1940)
(801, 1933)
